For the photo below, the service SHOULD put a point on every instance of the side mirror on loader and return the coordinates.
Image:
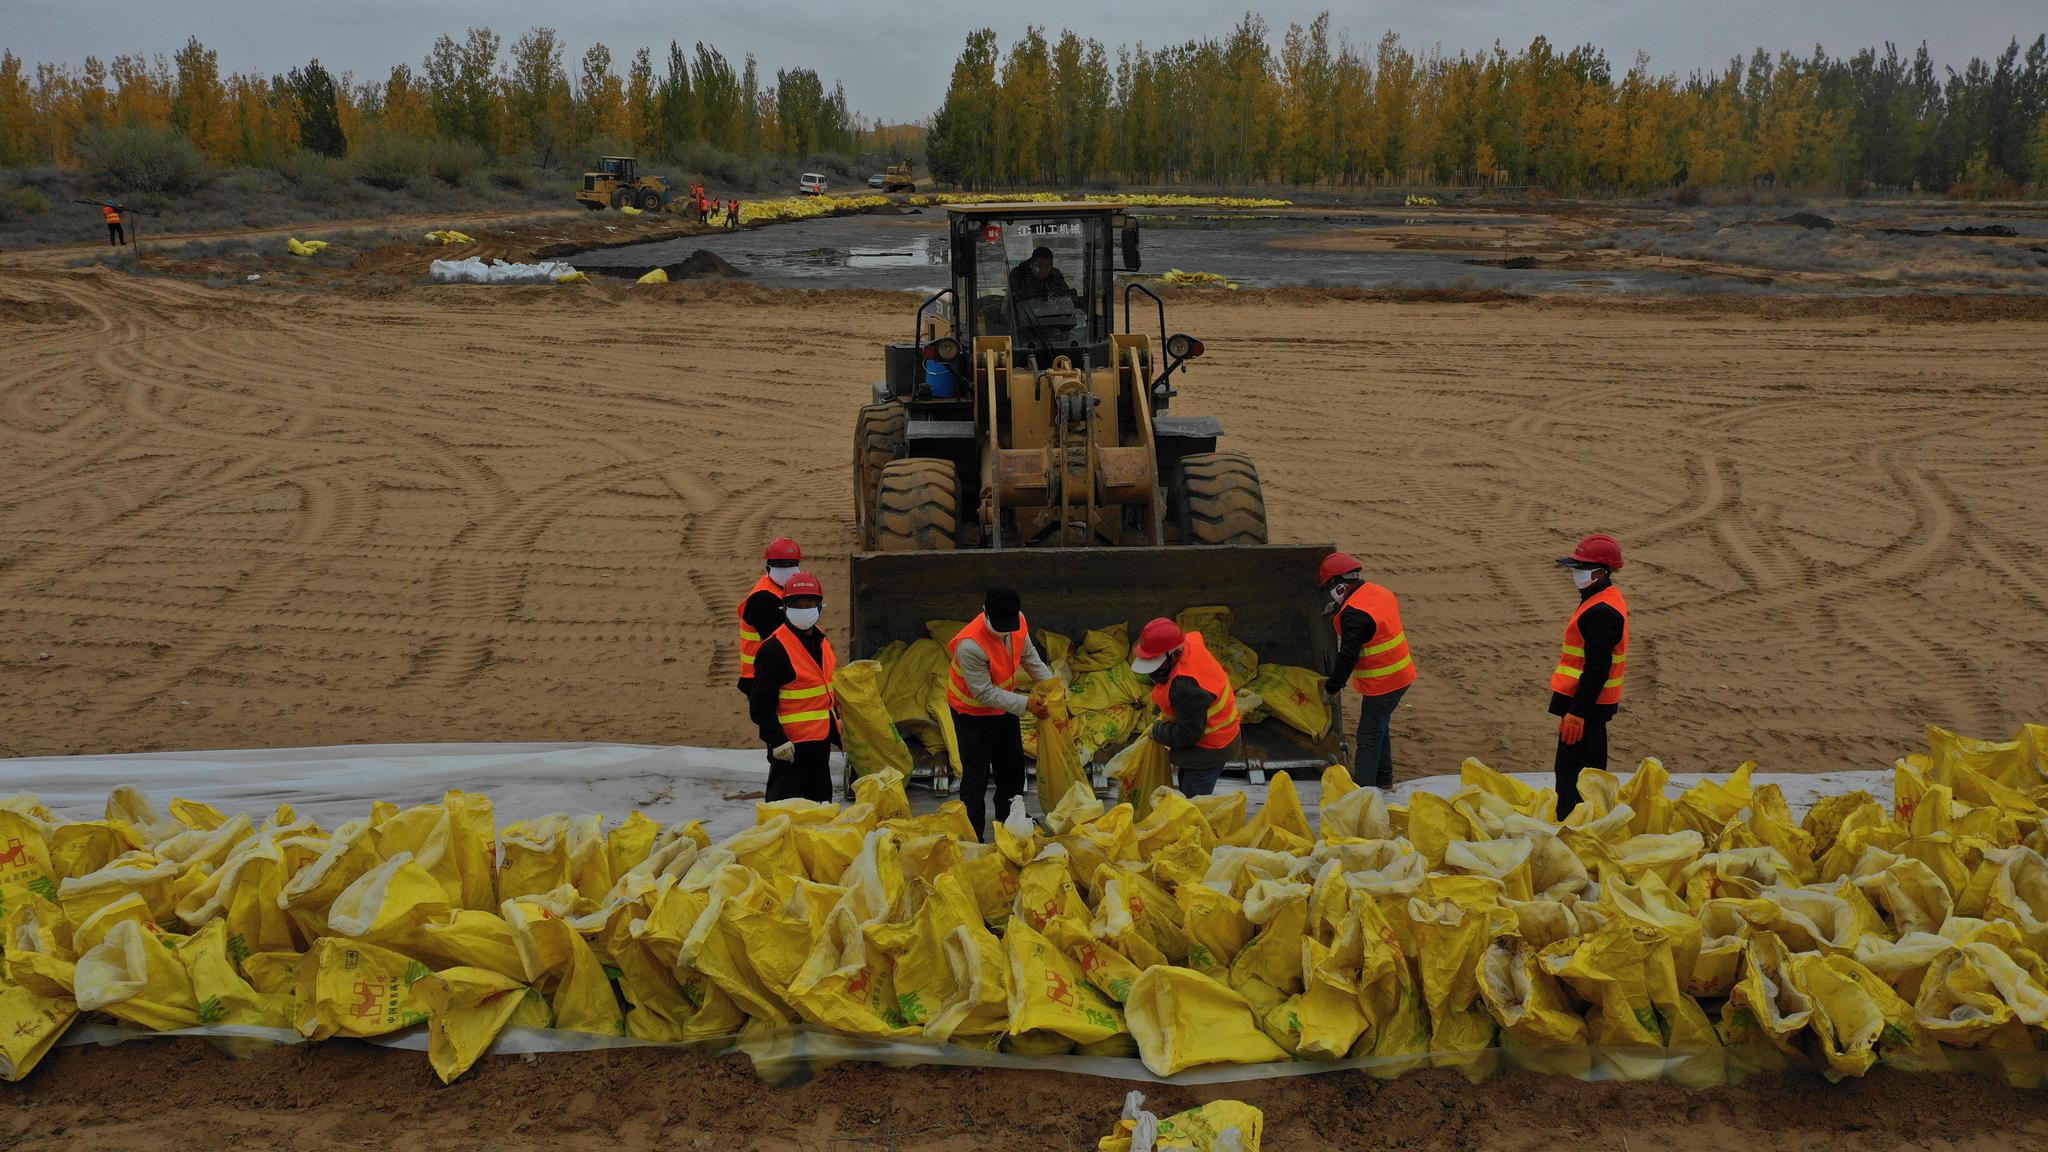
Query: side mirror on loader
(1130, 244)
(963, 255)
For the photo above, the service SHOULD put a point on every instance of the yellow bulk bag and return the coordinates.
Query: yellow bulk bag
(132, 976)
(1059, 763)
(1103, 648)
(25, 868)
(1857, 1017)
(1531, 1008)
(304, 248)
(349, 988)
(1450, 945)
(1217, 1126)
(626, 846)
(870, 737)
(559, 962)
(1138, 770)
(656, 276)
(1294, 696)
(389, 905)
(1048, 992)
(30, 1025)
(1183, 1019)
(85, 847)
(469, 1007)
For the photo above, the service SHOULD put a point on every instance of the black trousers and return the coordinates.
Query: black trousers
(116, 235)
(1589, 752)
(989, 745)
(1372, 761)
(809, 778)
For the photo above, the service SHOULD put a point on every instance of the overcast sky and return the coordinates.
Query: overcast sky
(895, 55)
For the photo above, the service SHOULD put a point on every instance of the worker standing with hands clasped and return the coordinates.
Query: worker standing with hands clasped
(1372, 652)
(1585, 688)
(991, 657)
(791, 700)
(1198, 723)
(761, 612)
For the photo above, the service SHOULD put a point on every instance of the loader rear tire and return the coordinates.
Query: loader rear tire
(878, 437)
(1218, 500)
(918, 507)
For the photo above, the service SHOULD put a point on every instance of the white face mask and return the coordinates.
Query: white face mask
(780, 573)
(801, 618)
(1582, 578)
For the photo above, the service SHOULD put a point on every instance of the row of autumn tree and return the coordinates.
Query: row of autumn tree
(520, 101)
(1322, 109)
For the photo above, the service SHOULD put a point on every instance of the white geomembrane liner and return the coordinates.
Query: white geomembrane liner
(669, 784)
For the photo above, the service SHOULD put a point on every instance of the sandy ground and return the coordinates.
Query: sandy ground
(386, 512)
(340, 1095)
(243, 518)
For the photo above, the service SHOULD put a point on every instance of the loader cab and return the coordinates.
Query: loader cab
(620, 168)
(1043, 275)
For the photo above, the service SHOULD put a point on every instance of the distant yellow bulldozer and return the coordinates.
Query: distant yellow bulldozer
(616, 184)
(899, 177)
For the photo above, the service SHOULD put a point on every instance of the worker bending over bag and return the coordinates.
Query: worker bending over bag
(1198, 725)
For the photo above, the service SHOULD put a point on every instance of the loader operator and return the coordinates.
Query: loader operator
(993, 657)
(1039, 278)
(792, 702)
(1585, 687)
(1198, 710)
(1372, 652)
(761, 612)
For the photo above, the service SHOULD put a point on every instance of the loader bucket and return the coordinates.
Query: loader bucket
(1271, 590)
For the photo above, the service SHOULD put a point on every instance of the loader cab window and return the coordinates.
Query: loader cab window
(1035, 282)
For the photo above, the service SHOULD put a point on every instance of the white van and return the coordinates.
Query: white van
(811, 184)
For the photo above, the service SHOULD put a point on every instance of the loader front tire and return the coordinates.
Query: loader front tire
(878, 437)
(1218, 501)
(918, 506)
(650, 200)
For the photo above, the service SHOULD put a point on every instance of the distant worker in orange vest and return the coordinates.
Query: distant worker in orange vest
(1585, 687)
(988, 688)
(1199, 726)
(732, 215)
(1372, 653)
(761, 612)
(791, 701)
(116, 236)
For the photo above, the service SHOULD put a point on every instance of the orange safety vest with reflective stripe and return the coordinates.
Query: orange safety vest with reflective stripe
(1196, 661)
(112, 216)
(1565, 678)
(750, 640)
(1005, 656)
(1384, 664)
(804, 707)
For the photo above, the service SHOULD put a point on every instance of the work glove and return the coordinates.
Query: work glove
(1333, 689)
(1037, 708)
(1571, 729)
(785, 752)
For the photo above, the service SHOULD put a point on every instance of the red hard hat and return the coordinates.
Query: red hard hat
(784, 549)
(1155, 640)
(803, 584)
(1334, 565)
(1598, 550)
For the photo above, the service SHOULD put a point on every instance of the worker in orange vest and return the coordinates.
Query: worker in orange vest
(1198, 723)
(992, 659)
(732, 215)
(1372, 653)
(116, 236)
(760, 612)
(791, 701)
(1585, 687)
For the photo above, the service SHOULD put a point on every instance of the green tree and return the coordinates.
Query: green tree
(313, 103)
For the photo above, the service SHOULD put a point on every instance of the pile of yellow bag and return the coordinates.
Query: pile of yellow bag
(806, 207)
(1109, 704)
(298, 247)
(1197, 279)
(449, 236)
(1686, 937)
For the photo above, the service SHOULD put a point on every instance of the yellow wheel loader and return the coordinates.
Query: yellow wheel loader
(1022, 439)
(899, 177)
(615, 183)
